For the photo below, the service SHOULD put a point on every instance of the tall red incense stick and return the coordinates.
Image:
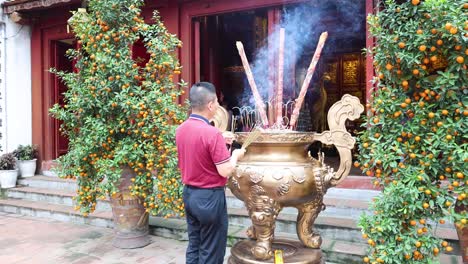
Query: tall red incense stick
(253, 86)
(308, 78)
(279, 90)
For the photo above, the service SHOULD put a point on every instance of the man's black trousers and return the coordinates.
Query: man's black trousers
(207, 224)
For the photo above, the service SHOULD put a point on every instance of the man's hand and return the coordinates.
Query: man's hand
(229, 137)
(238, 154)
(226, 169)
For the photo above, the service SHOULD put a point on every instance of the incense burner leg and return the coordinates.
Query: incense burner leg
(263, 212)
(305, 221)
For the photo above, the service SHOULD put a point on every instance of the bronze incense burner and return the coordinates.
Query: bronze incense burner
(277, 172)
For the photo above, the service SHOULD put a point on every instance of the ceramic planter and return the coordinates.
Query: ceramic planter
(8, 178)
(27, 168)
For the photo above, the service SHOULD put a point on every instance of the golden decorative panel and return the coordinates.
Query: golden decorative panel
(350, 72)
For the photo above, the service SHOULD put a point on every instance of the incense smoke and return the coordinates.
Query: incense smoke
(343, 19)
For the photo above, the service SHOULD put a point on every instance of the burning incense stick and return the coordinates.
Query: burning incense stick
(279, 91)
(253, 86)
(254, 134)
(308, 78)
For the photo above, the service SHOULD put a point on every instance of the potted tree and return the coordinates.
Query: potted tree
(27, 157)
(415, 143)
(120, 115)
(8, 171)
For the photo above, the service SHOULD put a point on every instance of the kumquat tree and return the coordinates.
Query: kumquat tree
(415, 145)
(120, 111)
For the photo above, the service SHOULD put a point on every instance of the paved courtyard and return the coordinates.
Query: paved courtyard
(31, 240)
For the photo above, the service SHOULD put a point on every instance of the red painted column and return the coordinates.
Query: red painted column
(36, 93)
(370, 42)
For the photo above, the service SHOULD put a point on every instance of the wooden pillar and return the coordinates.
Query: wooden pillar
(196, 51)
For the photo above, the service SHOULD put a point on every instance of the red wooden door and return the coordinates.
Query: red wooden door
(61, 63)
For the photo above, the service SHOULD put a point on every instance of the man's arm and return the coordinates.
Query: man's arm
(227, 168)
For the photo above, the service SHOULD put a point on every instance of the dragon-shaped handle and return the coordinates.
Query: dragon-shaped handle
(350, 108)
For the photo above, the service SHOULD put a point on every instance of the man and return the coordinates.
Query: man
(205, 164)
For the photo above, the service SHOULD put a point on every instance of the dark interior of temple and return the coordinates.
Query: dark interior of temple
(341, 59)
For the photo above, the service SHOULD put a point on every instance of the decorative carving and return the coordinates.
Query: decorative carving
(283, 189)
(277, 175)
(318, 175)
(247, 171)
(256, 177)
(258, 189)
(274, 137)
(342, 139)
(263, 211)
(308, 212)
(348, 107)
(299, 178)
(235, 183)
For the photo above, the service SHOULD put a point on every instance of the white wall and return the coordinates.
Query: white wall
(15, 87)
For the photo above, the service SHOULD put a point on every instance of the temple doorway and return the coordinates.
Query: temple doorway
(60, 62)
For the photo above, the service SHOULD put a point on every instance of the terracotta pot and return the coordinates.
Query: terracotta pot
(129, 215)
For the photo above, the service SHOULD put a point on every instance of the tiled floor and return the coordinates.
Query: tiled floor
(32, 240)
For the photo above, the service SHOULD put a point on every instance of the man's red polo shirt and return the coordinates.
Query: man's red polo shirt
(200, 147)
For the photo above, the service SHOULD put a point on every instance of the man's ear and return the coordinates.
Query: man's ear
(211, 105)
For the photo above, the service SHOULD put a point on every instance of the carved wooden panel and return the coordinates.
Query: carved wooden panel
(347, 73)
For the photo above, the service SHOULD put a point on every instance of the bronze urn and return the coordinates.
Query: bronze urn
(277, 171)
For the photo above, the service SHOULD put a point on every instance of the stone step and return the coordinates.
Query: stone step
(336, 251)
(64, 196)
(335, 197)
(47, 182)
(339, 220)
(335, 224)
(58, 212)
(52, 196)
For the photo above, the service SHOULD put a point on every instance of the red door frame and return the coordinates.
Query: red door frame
(43, 35)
